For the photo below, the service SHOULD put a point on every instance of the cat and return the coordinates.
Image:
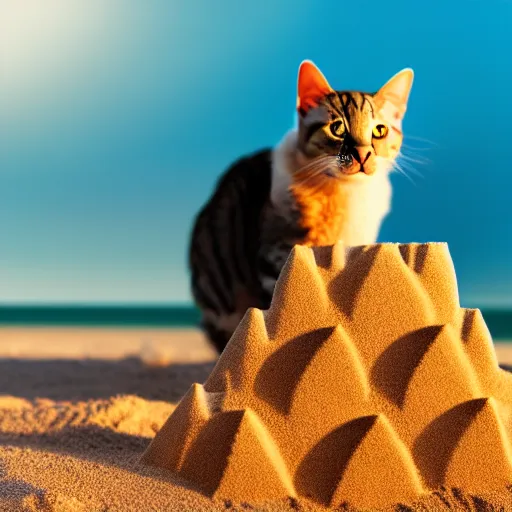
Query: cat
(327, 180)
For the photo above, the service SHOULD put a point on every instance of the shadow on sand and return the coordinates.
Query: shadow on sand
(71, 379)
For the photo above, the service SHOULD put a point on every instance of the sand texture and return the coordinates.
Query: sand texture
(364, 385)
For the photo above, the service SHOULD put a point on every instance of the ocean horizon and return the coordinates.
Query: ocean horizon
(498, 320)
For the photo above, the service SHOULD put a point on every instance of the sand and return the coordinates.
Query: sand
(364, 385)
(93, 465)
(79, 408)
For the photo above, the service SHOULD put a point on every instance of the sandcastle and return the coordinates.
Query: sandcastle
(364, 383)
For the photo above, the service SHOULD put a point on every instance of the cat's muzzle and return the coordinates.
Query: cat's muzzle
(350, 162)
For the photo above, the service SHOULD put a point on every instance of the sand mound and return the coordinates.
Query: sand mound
(364, 383)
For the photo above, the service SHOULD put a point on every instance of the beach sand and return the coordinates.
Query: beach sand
(78, 409)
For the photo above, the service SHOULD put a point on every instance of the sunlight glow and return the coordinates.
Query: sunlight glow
(41, 41)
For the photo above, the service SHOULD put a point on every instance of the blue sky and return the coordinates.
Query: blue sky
(116, 119)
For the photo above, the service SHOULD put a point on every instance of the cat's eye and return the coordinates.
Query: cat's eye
(336, 128)
(379, 131)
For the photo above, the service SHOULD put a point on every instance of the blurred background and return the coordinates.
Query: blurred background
(116, 119)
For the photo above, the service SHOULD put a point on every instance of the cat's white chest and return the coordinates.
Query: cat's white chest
(367, 203)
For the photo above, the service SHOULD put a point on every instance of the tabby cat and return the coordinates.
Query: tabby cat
(327, 180)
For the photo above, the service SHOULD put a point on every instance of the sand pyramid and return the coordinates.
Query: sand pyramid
(364, 383)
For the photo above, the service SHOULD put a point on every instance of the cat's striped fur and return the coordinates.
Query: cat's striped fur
(327, 180)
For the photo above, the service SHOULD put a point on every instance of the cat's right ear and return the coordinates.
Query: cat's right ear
(312, 86)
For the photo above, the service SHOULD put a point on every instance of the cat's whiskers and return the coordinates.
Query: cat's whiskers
(314, 171)
(421, 139)
(398, 167)
(314, 181)
(407, 162)
(414, 148)
(421, 160)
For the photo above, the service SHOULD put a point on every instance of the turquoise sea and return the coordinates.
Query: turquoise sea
(499, 321)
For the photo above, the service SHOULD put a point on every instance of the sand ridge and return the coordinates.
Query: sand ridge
(364, 384)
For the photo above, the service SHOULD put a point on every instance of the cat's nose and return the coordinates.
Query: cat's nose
(361, 153)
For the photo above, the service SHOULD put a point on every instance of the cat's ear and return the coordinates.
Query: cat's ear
(312, 86)
(395, 93)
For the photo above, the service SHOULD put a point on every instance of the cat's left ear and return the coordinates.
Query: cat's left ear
(393, 95)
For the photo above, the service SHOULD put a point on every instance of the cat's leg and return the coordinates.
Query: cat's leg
(271, 259)
(217, 337)
(219, 328)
